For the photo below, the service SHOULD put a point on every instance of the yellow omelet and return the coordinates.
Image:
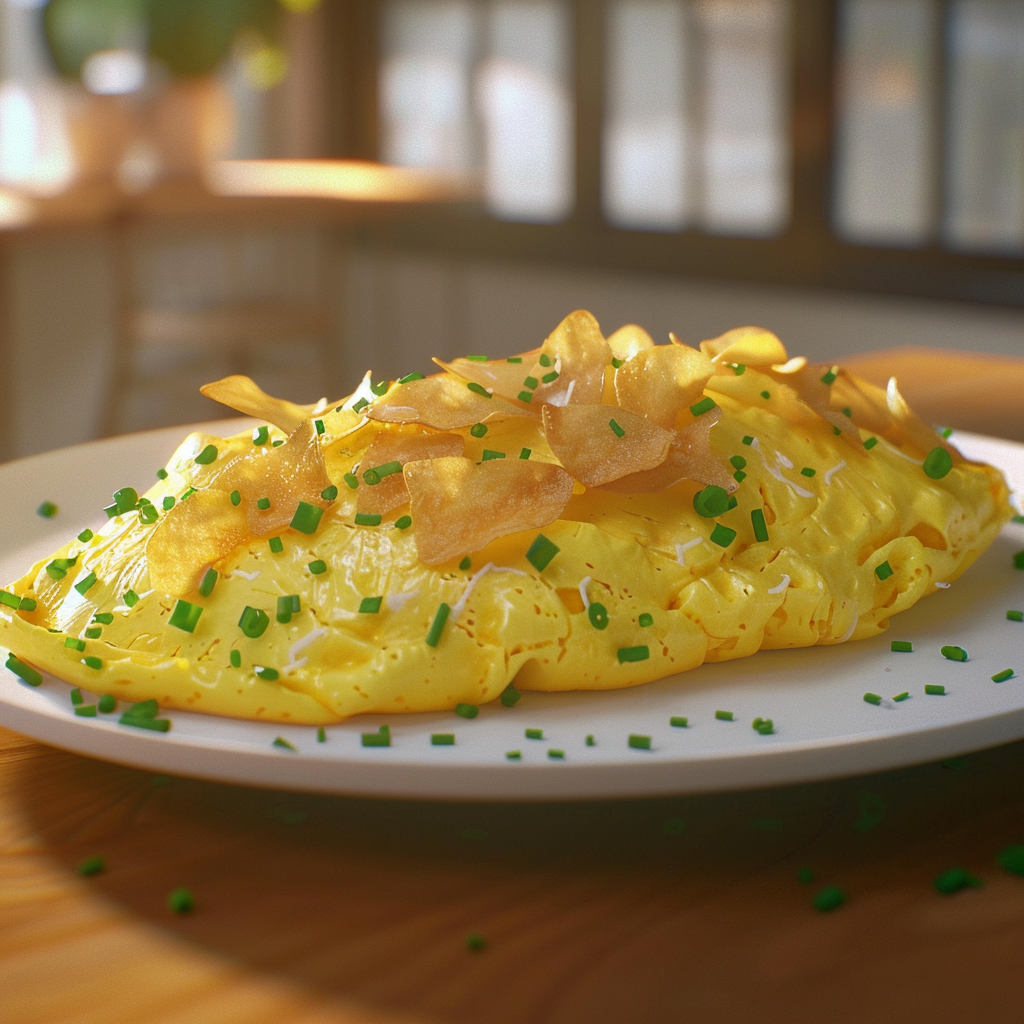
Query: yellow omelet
(593, 514)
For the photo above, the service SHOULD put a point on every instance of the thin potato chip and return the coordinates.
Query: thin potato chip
(689, 458)
(751, 346)
(286, 475)
(629, 340)
(398, 444)
(197, 532)
(600, 443)
(245, 395)
(442, 402)
(807, 381)
(459, 506)
(578, 354)
(498, 376)
(658, 382)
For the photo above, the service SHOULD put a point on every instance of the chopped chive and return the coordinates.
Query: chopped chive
(764, 726)
(319, 424)
(466, 710)
(283, 744)
(271, 675)
(317, 567)
(937, 463)
(1018, 560)
(628, 654)
(103, 618)
(808, 471)
(276, 545)
(387, 469)
(554, 754)
(830, 376)
(954, 880)
(370, 605)
(645, 620)
(235, 658)
(525, 396)
(872, 698)
(478, 429)
(616, 362)
(207, 455)
(514, 755)
(534, 734)
(1012, 859)
(307, 518)
(510, 696)
(94, 865)
(766, 394)
(541, 551)
(368, 519)
(185, 616)
(724, 716)
(759, 525)
(236, 499)
(679, 722)
(263, 504)
(935, 689)
(870, 443)
(828, 899)
(253, 622)
(883, 571)
(287, 606)
(403, 522)
(352, 480)
(722, 535)
(525, 453)
(11, 600)
(598, 615)
(86, 710)
(703, 406)
(433, 637)
(148, 515)
(24, 672)
(83, 585)
(544, 360)
(901, 696)
(442, 739)
(738, 462)
(848, 413)
(952, 653)
(72, 643)
(638, 742)
(188, 493)
(488, 455)
(549, 378)
(360, 405)
(130, 598)
(465, 563)
(94, 633)
(161, 474)
(589, 740)
(478, 389)
(28, 604)
(209, 581)
(76, 697)
(410, 377)
(739, 476)
(260, 436)
(155, 724)
(616, 429)
(1001, 677)
(89, 661)
(477, 359)
(329, 493)
(321, 733)
(47, 510)
(531, 383)
(901, 646)
(107, 703)
(375, 739)
(514, 359)
(1015, 616)
(748, 440)
(711, 501)
(85, 536)
(380, 388)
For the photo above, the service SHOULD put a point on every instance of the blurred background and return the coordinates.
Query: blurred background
(847, 173)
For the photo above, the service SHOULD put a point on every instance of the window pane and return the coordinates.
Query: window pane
(428, 49)
(885, 186)
(745, 116)
(646, 131)
(526, 107)
(985, 155)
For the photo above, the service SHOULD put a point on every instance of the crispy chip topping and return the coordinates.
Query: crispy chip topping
(402, 445)
(246, 396)
(659, 382)
(442, 402)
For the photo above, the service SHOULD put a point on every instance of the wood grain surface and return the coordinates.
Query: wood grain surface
(317, 909)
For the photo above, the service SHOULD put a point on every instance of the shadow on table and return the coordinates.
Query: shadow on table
(645, 910)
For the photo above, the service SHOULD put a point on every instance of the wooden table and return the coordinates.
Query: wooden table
(317, 909)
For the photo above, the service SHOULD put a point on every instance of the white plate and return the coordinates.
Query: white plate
(823, 727)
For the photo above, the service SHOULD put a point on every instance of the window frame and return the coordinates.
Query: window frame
(808, 253)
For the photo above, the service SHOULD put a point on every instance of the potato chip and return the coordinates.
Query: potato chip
(751, 346)
(246, 396)
(201, 530)
(285, 475)
(658, 382)
(401, 445)
(442, 402)
(600, 443)
(578, 354)
(459, 506)
(629, 340)
(689, 458)
(498, 376)
(809, 382)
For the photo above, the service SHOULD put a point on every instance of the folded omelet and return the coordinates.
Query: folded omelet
(593, 514)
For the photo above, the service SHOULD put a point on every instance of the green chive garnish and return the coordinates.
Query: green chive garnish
(638, 742)
(525, 453)
(83, 585)
(380, 388)
(748, 440)
(703, 406)
(317, 567)
(466, 563)
(307, 518)
(488, 455)
(549, 378)
(10, 600)
(1001, 677)
(91, 662)
(352, 480)
(319, 424)
(952, 653)
(901, 696)
(711, 501)
(830, 376)
(403, 522)
(72, 643)
(1018, 560)
(807, 471)
(724, 716)
(510, 696)
(554, 754)
(679, 722)
(478, 389)
(937, 463)
(764, 726)
(409, 377)
(738, 462)
(260, 436)
(207, 455)
(92, 866)
(534, 734)
(321, 733)
(253, 622)
(616, 429)
(188, 493)
(466, 710)
(478, 429)
(47, 510)
(103, 618)
(329, 493)
(766, 394)
(627, 654)
(148, 514)
(616, 362)
(236, 499)
(901, 646)
(883, 571)
(107, 703)
(525, 396)
(271, 675)
(130, 598)
(759, 525)
(28, 604)
(209, 581)
(370, 605)
(94, 633)
(376, 739)
(589, 740)
(1015, 616)
(185, 616)
(442, 739)
(24, 672)
(514, 359)
(541, 552)
(86, 710)
(544, 360)
(276, 545)
(162, 474)
(872, 698)
(235, 658)
(722, 535)
(828, 899)
(263, 504)
(531, 383)
(437, 626)
(280, 741)
(645, 620)
(954, 880)
(934, 690)
(368, 519)
(360, 405)
(85, 536)
(287, 606)
(514, 755)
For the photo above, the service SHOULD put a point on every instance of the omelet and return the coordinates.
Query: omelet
(593, 514)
